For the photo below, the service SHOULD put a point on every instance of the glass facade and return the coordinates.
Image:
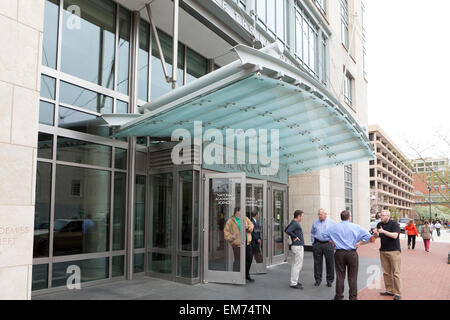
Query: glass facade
(306, 41)
(348, 180)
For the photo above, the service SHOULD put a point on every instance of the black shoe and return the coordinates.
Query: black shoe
(317, 283)
(250, 279)
(298, 286)
(329, 284)
(387, 294)
(397, 298)
(338, 298)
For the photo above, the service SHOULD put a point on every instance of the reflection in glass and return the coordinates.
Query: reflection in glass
(138, 262)
(118, 266)
(82, 122)
(139, 212)
(82, 210)
(87, 46)
(223, 199)
(91, 270)
(144, 38)
(45, 146)
(160, 263)
(278, 218)
(42, 210)
(46, 113)
(195, 241)
(185, 210)
(50, 38)
(40, 277)
(161, 210)
(121, 107)
(84, 98)
(120, 158)
(187, 267)
(84, 152)
(159, 84)
(48, 87)
(124, 50)
(254, 205)
(197, 66)
(120, 195)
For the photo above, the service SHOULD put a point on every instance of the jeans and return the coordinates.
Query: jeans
(248, 259)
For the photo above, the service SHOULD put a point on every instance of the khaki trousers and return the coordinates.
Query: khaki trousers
(390, 262)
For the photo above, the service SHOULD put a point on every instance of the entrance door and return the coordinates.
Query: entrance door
(224, 262)
(278, 219)
(256, 202)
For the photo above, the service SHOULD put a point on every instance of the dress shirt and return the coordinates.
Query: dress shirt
(345, 235)
(318, 229)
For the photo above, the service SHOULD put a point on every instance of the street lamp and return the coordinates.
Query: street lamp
(373, 198)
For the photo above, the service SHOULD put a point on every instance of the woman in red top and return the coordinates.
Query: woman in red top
(412, 233)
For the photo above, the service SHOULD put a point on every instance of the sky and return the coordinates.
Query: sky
(409, 73)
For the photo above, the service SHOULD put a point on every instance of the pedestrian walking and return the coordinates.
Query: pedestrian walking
(256, 238)
(322, 247)
(294, 230)
(232, 233)
(346, 237)
(438, 227)
(390, 254)
(411, 230)
(426, 235)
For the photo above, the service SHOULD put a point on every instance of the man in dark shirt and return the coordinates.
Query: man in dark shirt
(390, 254)
(294, 230)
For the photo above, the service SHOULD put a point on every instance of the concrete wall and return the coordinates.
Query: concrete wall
(21, 25)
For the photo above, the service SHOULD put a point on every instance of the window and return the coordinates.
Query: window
(364, 37)
(321, 5)
(348, 181)
(272, 17)
(50, 38)
(76, 188)
(306, 42)
(348, 89)
(345, 23)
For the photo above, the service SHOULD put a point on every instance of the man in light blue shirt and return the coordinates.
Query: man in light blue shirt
(346, 237)
(322, 247)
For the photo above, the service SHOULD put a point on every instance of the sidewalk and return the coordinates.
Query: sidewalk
(424, 275)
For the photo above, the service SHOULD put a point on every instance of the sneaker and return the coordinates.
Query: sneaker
(397, 298)
(387, 294)
(298, 286)
(329, 284)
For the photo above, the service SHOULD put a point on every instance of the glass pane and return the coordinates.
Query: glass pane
(45, 146)
(84, 152)
(160, 263)
(271, 14)
(84, 98)
(185, 210)
(159, 83)
(50, 39)
(254, 211)
(280, 19)
(118, 266)
(195, 241)
(187, 267)
(224, 198)
(121, 107)
(82, 122)
(48, 87)
(88, 42)
(42, 210)
(139, 212)
(124, 50)
(91, 270)
(161, 210)
(120, 159)
(261, 9)
(40, 277)
(120, 195)
(141, 162)
(278, 218)
(139, 262)
(197, 66)
(46, 113)
(144, 36)
(82, 210)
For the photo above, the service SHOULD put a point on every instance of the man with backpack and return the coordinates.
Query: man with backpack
(294, 230)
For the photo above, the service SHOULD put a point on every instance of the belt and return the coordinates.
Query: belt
(321, 241)
(345, 250)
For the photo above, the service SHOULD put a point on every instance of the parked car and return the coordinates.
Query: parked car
(374, 223)
(403, 222)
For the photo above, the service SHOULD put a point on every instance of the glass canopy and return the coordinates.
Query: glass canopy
(260, 91)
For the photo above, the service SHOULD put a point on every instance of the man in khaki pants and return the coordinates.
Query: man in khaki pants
(390, 254)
